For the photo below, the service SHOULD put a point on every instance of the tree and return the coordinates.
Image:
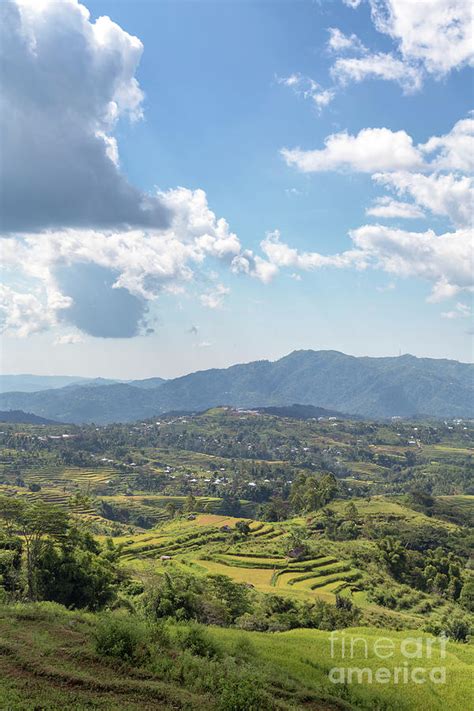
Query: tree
(277, 509)
(171, 509)
(310, 492)
(36, 524)
(235, 596)
(11, 549)
(243, 528)
(77, 572)
(189, 504)
(394, 555)
(351, 512)
(466, 597)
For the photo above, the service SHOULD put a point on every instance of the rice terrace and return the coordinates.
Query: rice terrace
(171, 555)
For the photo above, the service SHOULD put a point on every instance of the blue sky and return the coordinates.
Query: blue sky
(224, 88)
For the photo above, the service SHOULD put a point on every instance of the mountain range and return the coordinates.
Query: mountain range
(402, 386)
(28, 383)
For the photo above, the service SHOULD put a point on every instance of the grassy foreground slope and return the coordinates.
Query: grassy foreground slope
(48, 661)
(306, 655)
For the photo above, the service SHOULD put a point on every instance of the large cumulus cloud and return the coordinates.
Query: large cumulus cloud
(80, 245)
(65, 82)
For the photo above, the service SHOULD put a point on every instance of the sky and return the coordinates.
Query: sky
(192, 184)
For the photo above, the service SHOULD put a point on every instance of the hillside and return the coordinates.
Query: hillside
(52, 661)
(402, 386)
(208, 560)
(27, 383)
(302, 412)
(19, 417)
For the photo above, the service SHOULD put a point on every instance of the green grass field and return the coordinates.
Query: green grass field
(306, 655)
(48, 662)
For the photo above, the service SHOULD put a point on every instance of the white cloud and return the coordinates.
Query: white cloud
(431, 37)
(214, 298)
(436, 33)
(415, 171)
(282, 256)
(339, 42)
(460, 311)
(444, 260)
(254, 266)
(23, 314)
(95, 277)
(68, 339)
(389, 208)
(65, 83)
(377, 66)
(308, 89)
(372, 149)
(445, 195)
(455, 150)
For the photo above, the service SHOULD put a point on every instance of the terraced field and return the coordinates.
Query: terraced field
(206, 546)
(323, 576)
(153, 507)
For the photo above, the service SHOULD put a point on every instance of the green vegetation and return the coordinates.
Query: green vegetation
(208, 561)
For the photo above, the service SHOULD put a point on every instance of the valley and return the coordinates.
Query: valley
(268, 532)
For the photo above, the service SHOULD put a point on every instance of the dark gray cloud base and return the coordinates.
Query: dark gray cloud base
(62, 88)
(98, 308)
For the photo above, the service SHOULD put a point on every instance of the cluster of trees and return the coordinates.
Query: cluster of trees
(311, 492)
(44, 555)
(339, 527)
(218, 600)
(436, 570)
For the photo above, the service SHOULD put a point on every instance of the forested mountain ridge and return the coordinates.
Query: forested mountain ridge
(372, 387)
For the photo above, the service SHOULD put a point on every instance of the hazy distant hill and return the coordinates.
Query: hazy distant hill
(372, 387)
(24, 418)
(35, 383)
(147, 383)
(27, 383)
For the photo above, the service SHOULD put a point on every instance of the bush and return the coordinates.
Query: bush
(458, 629)
(196, 640)
(243, 648)
(243, 694)
(122, 636)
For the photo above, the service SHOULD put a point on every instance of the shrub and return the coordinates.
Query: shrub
(243, 694)
(467, 595)
(243, 648)
(458, 629)
(122, 636)
(197, 641)
(344, 603)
